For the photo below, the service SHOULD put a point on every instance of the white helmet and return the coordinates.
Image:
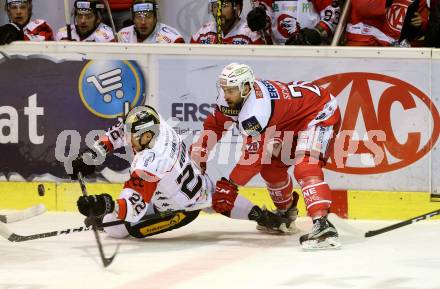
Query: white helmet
(236, 74)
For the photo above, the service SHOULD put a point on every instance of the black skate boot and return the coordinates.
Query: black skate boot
(289, 214)
(271, 222)
(323, 236)
(277, 222)
(288, 227)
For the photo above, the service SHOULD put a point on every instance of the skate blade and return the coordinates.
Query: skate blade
(289, 231)
(270, 231)
(327, 244)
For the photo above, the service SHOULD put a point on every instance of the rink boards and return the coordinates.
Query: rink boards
(353, 204)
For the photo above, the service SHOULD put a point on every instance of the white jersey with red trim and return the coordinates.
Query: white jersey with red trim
(102, 33)
(162, 33)
(181, 185)
(259, 107)
(239, 34)
(38, 30)
(289, 16)
(166, 177)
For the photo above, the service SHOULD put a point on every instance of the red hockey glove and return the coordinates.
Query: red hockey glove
(224, 196)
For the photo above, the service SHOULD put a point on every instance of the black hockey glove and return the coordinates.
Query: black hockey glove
(305, 36)
(10, 32)
(267, 218)
(98, 205)
(257, 19)
(84, 163)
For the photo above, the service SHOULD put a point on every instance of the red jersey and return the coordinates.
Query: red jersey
(372, 24)
(288, 16)
(37, 30)
(120, 4)
(271, 110)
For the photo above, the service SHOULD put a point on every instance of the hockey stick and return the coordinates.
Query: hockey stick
(342, 23)
(13, 237)
(24, 214)
(219, 22)
(105, 261)
(68, 20)
(109, 12)
(346, 227)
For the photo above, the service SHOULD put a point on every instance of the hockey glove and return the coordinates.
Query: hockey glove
(10, 32)
(267, 218)
(97, 205)
(224, 196)
(257, 19)
(85, 163)
(305, 36)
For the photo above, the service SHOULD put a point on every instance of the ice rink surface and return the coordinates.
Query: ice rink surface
(214, 252)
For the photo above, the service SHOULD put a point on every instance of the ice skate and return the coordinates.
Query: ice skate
(323, 236)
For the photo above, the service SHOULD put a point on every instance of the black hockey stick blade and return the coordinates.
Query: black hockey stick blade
(105, 261)
(403, 223)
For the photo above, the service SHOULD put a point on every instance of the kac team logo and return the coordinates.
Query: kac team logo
(387, 123)
(105, 86)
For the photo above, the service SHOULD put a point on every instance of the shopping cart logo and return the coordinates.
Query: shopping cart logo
(105, 87)
(108, 82)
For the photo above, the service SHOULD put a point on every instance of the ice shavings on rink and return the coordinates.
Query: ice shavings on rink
(216, 252)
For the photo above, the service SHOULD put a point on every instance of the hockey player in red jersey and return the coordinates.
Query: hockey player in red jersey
(233, 26)
(88, 26)
(283, 124)
(21, 27)
(386, 22)
(295, 22)
(163, 178)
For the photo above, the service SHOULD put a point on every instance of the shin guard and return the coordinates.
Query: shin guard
(281, 195)
(317, 196)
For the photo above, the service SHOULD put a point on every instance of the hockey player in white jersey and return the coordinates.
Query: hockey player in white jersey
(88, 26)
(162, 178)
(146, 28)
